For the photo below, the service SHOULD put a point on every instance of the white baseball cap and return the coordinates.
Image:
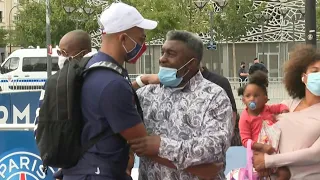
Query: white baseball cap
(120, 17)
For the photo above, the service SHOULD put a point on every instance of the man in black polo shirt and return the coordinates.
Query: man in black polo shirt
(243, 74)
(224, 83)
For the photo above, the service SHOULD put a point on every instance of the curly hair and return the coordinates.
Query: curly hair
(300, 58)
(259, 78)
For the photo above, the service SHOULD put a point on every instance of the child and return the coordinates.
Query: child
(254, 96)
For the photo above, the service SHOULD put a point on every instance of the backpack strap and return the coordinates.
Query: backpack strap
(84, 61)
(115, 68)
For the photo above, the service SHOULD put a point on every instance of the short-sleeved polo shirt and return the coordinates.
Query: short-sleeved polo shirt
(107, 105)
(242, 70)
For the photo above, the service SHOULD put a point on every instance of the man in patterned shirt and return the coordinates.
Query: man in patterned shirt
(188, 118)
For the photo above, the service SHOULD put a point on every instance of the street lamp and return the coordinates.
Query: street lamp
(10, 45)
(200, 4)
(221, 3)
(264, 18)
(69, 10)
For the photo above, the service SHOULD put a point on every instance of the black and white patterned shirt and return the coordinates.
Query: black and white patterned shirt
(194, 123)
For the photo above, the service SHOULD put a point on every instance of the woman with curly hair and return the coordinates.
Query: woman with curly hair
(300, 139)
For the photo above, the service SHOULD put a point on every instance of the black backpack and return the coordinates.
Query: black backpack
(60, 122)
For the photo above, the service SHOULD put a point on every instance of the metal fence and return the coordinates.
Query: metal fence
(21, 84)
(276, 90)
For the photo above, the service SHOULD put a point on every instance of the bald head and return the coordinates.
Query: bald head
(75, 42)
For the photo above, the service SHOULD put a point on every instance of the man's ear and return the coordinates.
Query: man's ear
(122, 37)
(195, 63)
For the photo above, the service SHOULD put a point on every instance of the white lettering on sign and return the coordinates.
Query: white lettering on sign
(21, 115)
(24, 162)
(4, 119)
(16, 114)
(3, 169)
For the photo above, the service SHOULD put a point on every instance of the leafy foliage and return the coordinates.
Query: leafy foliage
(3, 34)
(30, 29)
(170, 14)
(318, 15)
(236, 20)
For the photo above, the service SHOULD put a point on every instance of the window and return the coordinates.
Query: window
(16, 17)
(2, 57)
(38, 64)
(1, 16)
(14, 64)
(145, 64)
(11, 65)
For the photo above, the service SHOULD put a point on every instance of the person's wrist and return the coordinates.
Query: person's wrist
(144, 79)
(140, 80)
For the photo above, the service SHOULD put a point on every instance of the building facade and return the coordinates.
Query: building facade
(270, 42)
(8, 14)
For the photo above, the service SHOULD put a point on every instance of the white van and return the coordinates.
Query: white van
(26, 69)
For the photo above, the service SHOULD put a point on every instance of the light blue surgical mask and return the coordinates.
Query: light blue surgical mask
(168, 76)
(313, 83)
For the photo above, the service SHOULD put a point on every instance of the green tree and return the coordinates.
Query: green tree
(234, 23)
(318, 19)
(30, 29)
(168, 13)
(3, 34)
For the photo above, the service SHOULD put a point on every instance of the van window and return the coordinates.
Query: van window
(10, 65)
(36, 64)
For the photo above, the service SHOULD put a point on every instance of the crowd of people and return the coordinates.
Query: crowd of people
(181, 121)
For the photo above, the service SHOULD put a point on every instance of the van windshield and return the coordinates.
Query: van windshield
(36, 64)
(10, 65)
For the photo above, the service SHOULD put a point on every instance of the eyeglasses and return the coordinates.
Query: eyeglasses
(62, 53)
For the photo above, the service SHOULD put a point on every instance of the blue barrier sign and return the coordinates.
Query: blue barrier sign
(19, 107)
(19, 157)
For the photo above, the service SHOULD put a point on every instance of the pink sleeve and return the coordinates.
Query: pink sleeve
(300, 157)
(277, 108)
(244, 128)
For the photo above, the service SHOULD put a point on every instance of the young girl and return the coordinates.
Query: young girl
(254, 96)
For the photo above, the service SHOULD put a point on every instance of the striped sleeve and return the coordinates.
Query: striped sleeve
(38, 110)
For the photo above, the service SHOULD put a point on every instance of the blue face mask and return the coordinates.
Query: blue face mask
(313, 83)
(168, 76)
(134, 54)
